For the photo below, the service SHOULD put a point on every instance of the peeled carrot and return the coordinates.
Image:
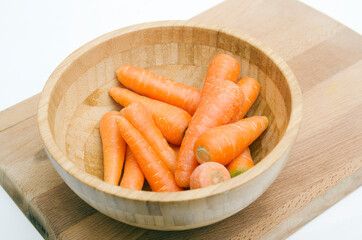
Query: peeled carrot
(155, 170)
(251, 89)
(224, 143)
(141, 119)
(219, 103)
(223, 66)
(171, 120)
(114, 148)
(178, 94)
(160, 88)
(208, 174)
(240, 164)
(133, 177)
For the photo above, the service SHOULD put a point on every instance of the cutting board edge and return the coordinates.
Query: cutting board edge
(326, 200)
(281, 231)
(26, 206)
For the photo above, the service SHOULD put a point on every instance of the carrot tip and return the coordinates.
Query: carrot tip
(202, 154)
(111, 90)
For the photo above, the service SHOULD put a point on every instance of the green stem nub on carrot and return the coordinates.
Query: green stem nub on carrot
(203, 153)
(114, 148)
(171, 120)
(158, 176)
(160, 88)
(240, 164)
(224, 143)
(208, 174)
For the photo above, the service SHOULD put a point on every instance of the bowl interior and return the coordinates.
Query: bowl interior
(183, 53)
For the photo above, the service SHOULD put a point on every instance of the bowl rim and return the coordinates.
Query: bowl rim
(270, 159)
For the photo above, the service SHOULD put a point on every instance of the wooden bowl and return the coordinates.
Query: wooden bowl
(76, 96)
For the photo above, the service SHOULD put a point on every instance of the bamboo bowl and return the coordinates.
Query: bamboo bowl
(76, 96)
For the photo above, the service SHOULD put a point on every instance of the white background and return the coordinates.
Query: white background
(35, 36)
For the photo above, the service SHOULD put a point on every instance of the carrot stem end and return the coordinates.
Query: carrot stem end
(216, 177)
(202, 155)
(238, 172)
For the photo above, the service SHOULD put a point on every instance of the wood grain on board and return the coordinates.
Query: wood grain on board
(324, 166)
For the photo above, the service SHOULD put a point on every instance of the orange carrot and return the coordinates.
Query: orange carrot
(155, 170)
(160, 88)
(219, 103)
(240, 164)
(208, 174)
(114, 148)
(141, 119)
(166, 90)
(224, 143)
(225, 67)
(251, 89)
(133, 177)
(171, 120)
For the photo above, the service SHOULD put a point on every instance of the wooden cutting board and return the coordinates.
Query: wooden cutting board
(324, 166)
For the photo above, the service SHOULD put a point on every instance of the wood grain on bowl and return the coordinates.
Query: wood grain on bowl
(323, 167)
(73, 101)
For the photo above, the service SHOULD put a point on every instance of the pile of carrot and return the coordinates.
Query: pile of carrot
(176, 136)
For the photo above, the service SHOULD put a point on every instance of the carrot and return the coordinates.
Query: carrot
(208, 174)
(219, 103)
(251, 89)
(142, 120)
(240, 164)
(223, 66)
(178, 94)
(171, 120)
(160, 88)
(155, 170)
(133, 177)
(114, 148)
(224, 143)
